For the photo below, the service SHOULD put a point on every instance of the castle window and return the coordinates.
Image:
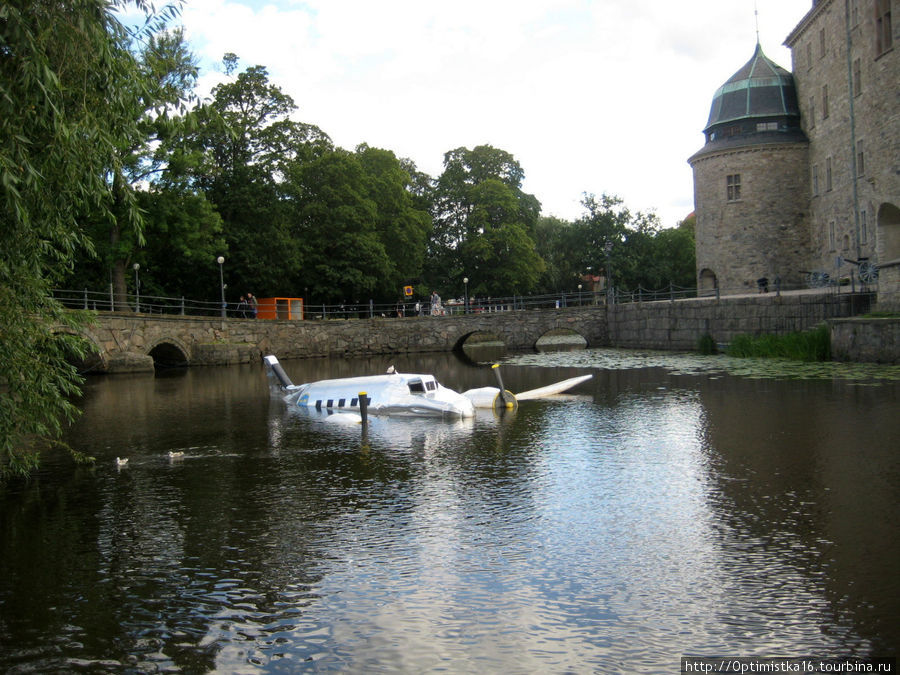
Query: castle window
(815, 180)
(854, 13)
(884, 36)
(733, 184)
(812, 112)
(767, 126)
(857, 78)
(828, 183)
(824, 101)
(809, 60)
(831, 235)
(860, 159)
(863, 228)
(822, 43)
(846, 242)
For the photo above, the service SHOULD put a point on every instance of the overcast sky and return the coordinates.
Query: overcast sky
(588, 95)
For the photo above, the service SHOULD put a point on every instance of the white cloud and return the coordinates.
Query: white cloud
(589, 96)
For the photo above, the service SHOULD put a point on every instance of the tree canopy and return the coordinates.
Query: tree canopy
(66, 113)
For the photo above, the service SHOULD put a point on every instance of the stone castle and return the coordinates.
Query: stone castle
(798, 182)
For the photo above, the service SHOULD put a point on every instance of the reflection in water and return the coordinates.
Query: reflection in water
(651, 515)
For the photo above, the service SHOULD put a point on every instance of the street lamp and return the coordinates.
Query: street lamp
(609, 288)
(221, 262)
(579, 295)
(137, 288)
(466, 283)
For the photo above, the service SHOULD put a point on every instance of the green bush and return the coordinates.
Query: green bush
(707, 345)
(811, 345)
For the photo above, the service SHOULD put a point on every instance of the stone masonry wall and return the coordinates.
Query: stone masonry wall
(680, 325)
(128, 343)
(765, 233)
(870, 340)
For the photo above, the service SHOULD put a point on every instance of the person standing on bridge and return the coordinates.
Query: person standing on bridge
(254, 305)
(435, 304)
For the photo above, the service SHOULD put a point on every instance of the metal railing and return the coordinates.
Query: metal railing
(156, 305)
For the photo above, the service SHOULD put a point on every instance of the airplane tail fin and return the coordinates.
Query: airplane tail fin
(277, 371)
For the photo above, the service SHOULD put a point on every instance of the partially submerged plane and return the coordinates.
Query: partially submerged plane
(402, 394)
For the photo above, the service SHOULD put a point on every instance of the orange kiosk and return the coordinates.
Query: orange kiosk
(289, 309)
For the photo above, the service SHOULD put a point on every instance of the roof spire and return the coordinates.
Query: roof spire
(756, 17)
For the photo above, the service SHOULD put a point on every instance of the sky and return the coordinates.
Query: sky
(589, 96)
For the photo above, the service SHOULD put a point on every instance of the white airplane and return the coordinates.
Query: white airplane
(402, 394)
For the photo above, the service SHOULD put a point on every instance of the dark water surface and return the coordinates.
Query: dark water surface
(665, 509)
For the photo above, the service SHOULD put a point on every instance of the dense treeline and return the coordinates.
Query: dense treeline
(108, 158)
(295, 215)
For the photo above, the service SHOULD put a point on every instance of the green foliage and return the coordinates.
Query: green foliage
(609, 240)
(484, 225)
(812, 345)
(335, 221)
(63, 116)
(707, 345)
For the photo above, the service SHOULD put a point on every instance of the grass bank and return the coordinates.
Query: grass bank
(810, 345)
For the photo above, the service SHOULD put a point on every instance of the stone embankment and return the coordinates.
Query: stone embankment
(874, 340)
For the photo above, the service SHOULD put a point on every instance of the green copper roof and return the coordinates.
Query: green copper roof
(760, 89)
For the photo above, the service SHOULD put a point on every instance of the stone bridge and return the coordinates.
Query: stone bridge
(127, 342)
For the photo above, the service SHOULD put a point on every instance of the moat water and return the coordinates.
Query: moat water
(673, 505)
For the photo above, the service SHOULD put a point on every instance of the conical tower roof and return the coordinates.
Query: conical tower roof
(761, 88)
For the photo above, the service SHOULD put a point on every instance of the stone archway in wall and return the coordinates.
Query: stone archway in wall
(889, 232)
(707, 282)
(481, 346)
(169, 353)
(561, 340)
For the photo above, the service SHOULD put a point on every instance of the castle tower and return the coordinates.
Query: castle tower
(751, 183)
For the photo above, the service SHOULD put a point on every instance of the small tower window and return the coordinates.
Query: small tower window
(733, 185)
(884, 36)
(860, 159)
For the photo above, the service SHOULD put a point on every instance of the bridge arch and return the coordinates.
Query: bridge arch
(561, 339)
(94, 359)
(169, 352)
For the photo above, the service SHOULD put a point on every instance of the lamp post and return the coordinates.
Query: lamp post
(221, 261)
(137, 288)
(579, 295)
(466, 284)
(609, 288)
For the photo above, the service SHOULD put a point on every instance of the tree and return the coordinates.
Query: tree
(164, 81)
(250, 142)
(631, 249)
(334, 226)
(402, 222)
(480, 213)
(63, 118)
